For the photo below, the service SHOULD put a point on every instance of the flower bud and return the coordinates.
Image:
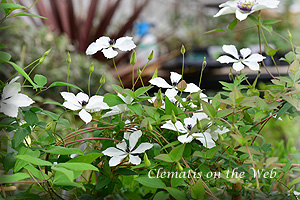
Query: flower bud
(68, 58)
(150, 57)
(204, 63)
(173, 117)
(181, 85)
(133, 58)
(139, 72)
(289, 34)
(102, 80)
(42, 59)
(149, 126)
(92, 68)
(179, 168)
(48, 126)
(147, 161)
(154, 74)
(199, 125)
(182, 50)
(158, 101)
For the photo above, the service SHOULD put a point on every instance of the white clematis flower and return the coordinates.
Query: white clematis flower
(239, 61)
(106, 45)
(11, 99)
(243, 8)
(171, 89)
(205, 138)
(123, 150)
(121, 108)
(83, 103)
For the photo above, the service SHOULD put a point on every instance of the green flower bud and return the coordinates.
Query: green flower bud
(182, 50)
(154, 74)
(179, 168)
(173, 117)
(150, 57)
(92, 68)
(252, 92)
(139, 72)
(42, 59)
(289, 34)
(158, 101)
(102, 80)
(48, 126)
(68, 58)
(133, 58)
(199, 125)
(204, 63)
(147, 161)
(149, 126)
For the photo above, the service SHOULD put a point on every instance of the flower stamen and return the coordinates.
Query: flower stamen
(246, 6)
(111, 42)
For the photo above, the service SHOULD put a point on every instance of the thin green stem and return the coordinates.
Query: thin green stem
(69, 65)
(182, 70)
(133, 78)
(202, 69)
(31, 72)
(113, 59)
(89, 84)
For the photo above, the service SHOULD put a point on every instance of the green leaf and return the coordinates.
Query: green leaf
(113, 99)
(88, 158)
(268, 28)
(296, 156)
(55, 84)
(177, 194)
(297, 180)
(35, 172)
(40, 80)
(169, 106)
(20, 134)
(31, 118)
(210, 153)
(63, 150)
(176, 153)
(164, 157)
(68, 173)
(77, 166)
(232, 24)
(208, 109)
(29, 15)
(270, 21)
(136, 108)
(4, 57)
(142, 90)
(68, 183)
(197, 190)
(283, 110)
(11, 6)
(150, 182)
(2, 46)
(13, 178)
(214, 31)
(33, 160)
(125, 172)
(102, 182)
(23, 73)
(161, 195)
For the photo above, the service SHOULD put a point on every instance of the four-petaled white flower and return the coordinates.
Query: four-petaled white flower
(83, 103)
(172, 89)
(123, 150)
(243, 8)
(11, 99)
(205, 138)
(239, 61)
(106, 45)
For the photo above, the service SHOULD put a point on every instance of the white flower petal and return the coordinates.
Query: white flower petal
(191, 87)
(205, 138)
(114, 161)
(82, 97)
(252, 65)
(185, 138)
(200, 116)
(203, 97)
(126, 135)
(85, 116)
(109, 52)
(255, 58)
(14, 80)
(96, 103)
(189, 121)
(231, 49)
(238, 66)
(133, 138)
(245, 52)
(103, 42)
(92, 49)
(71, 106)
(122, 146)
(160, 82)
(10, 90)
(175, 77)
(9, 109)
(171, 93)
(125, 43)
(71, 98)
(241, 15)
(134, 159)
(225, 10)
(226, 59)
(178, 126)
(112, 151)
(142, 148)
(19, 100)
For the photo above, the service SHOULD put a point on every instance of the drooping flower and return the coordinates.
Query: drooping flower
(243, 8)
(83, 103)
(11, 99)
(205, 138)
(106, 45)
(239, 61)
(123, 150)
(171, 89)
(120, 108)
